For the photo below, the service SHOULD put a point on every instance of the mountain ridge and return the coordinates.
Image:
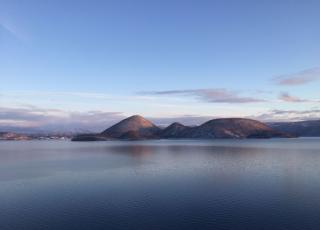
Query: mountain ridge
(309, 128)
(138, 128)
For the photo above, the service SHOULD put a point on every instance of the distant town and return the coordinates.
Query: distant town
(11, 136)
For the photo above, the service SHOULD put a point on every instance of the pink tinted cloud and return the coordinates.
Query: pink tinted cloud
(286, 97)
(299, 78)
(210, 95)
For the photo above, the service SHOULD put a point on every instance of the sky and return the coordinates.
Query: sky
(90, 63)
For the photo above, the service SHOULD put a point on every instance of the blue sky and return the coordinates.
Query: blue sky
(162, 59)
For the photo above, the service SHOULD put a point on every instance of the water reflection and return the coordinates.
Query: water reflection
(255, 184)
(136, 151)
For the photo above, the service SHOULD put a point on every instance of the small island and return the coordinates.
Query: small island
(138, 128)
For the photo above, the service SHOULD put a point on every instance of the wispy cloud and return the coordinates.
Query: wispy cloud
(208, 95)
(299, 78)
(8, 28)
(54, 119)
(289, 98)
(71, 94)
(12, 29)
(289, 115)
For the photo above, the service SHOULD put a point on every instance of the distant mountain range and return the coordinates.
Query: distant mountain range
(300, 128)
(138, 128)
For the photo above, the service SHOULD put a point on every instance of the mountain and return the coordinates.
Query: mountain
(137, 128)
(300, 128)
(226, 128)
(175, 130)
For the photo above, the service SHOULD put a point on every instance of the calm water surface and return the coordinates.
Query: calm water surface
(225, 184)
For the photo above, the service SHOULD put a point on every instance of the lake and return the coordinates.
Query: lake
(145, 185)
